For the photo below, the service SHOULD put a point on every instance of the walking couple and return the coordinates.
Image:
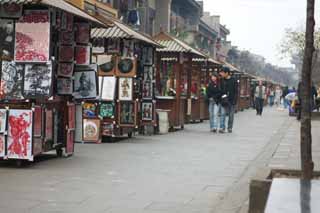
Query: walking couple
(222, 94)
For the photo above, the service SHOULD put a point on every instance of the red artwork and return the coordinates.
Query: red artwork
(49, 125)
(82, 55)
(66, 38)
(65, 69)
(83, 33)
(66, 53)
(32, 38)
(20, 134)
(37, 122)
(2, 146)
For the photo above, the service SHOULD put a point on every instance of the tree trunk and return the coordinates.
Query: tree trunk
(305, 93)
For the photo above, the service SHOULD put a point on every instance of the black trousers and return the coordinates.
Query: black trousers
(259, 105)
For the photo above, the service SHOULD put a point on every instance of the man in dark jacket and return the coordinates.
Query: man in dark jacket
(229, 86)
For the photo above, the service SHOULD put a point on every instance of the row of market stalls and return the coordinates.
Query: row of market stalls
(67, 76)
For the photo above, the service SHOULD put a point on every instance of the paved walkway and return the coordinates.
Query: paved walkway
(190, 171)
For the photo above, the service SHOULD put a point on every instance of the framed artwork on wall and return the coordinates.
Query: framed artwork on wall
(128, 49)
(32, 37)
(147, 111)
(148, 73)
(65, 69)
(127, 67)
(37, 80)
(147, 56)
(107, 88)
(89, 110)
(125, 89)
(19, 141)
(107, 65)
(3, 121)
(66, 53)
(66, 38)
(10, 10)
(127, 114)
(64, 86)
(85, 85)
(82, 55)
(82, 33)
(11, 81)
(107, 110)
(147, 90)
(6, 38)
(91, 130)
(107, 129)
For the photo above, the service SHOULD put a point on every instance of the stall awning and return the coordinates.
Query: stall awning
(121, 31)
(233, 68)
(60, 4)
(174, 45)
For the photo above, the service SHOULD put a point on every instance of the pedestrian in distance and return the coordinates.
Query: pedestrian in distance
(214, 94)
(278, 95)
(260, 96)
(229, 87)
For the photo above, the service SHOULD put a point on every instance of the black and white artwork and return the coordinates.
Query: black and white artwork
(85, 84)
(37, 80)
(147, 111)
(11, 80)
(148, 73)
(6, 38)
(128, 48)
(147, 56)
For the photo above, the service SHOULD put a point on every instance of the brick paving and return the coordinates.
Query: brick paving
(190, 171)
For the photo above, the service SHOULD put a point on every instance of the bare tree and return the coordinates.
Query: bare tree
(305, 131)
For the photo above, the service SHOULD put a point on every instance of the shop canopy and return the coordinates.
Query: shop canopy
(118, 30)
(232, 68)
(59, 4)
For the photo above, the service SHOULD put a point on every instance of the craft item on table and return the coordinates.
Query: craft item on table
(107, 87)
(147, 111)
(19, 141)
(85, 84)
(91, 130)
(147, 55)
(89, 110)
(66, 53)
(106, 110)
(82, 55)
(37, 80)
(11, 85)
(6, 38)
(127, 113)
(10, 10)
(113, 46)
(125, 89)
(107, 64)
(66, 38)
(64, 86)
(65, 69)
(82, 33)
(32, 37)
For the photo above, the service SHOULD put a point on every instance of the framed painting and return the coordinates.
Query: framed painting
(3, 121)
(127, 114)
(125, 89)
(89, 110)
(2, 145)
(66, 53)
(147, 90)
(107, 88)
(37, 80)
(107, 65)
(66, 38)
(65, 70)
(82, 55)
(6, 39)
(32, 38)
(82, 33)
(85, 84)
(147, 56)
(19, 141)
(37, 125)
(148, 73)
(147, 111)
(107, 110)
(128, 49)
(69, 25)
(113, 46)
(127, 67)
(64, 86)
(91, 130)
(11, 81)
(107, 129)
(10, 10)
(49, 125)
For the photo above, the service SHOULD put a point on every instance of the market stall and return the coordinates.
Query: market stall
(39, 42)
(174, 79)
(126, 72)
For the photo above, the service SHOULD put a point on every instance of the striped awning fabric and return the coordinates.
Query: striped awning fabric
(17, 1)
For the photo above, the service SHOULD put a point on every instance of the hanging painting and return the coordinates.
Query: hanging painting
(113, 46)
(82, 33)
(10, 10)
(49, 125)
(147, 111)
(91, 130)
(3, 120)
(82, 55)
(85, 84)
(127, 67)
(128, 49)
(20, 134)
(89, 110)
(6, 38)
(66, 53)
(32, 39)
(65, 70)
(66, 38)
(2, 145)
(106, 110)
(107, 88)
(127, 113)
(37, 80)
(125, 89)
(107, 65)
(106, 129)
(147, 90)
(64, 86)
(11, 81)
(147, 56)
(148, 73)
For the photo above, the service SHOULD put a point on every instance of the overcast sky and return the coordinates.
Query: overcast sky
(259, 25)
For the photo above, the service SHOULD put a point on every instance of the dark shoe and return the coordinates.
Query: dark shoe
(214, 131)
(230, 130)
(222, 131)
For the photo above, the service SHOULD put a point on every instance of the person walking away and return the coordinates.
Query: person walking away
(260, 96)
(229, 87)
(278, 95)
(285, 92)
(214, 97)
(271, 96)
